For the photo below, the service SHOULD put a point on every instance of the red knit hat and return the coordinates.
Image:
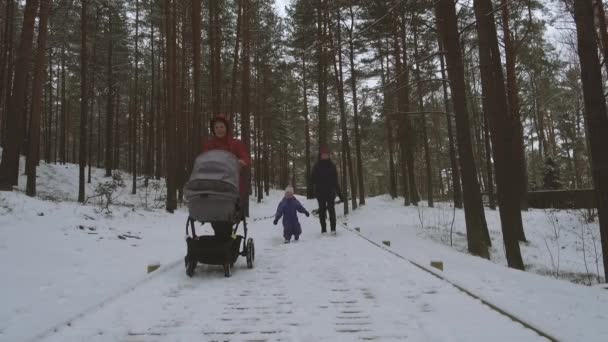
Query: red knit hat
(324, 149)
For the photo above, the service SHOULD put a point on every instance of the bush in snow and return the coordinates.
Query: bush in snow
(105, 192)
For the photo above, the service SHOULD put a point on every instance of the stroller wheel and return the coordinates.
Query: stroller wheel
(227, 271)
(190, 266)
(250, 250)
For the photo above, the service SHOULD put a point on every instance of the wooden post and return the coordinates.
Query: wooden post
(437, 264)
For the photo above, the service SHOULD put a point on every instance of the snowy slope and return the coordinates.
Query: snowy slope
(61, 260)
(570, 312)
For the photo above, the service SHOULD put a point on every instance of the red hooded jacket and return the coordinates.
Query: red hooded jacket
(230, 144)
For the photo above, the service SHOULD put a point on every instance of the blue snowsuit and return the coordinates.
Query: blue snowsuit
(288, 209)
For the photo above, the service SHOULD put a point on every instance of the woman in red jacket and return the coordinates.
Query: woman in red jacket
(222, 140)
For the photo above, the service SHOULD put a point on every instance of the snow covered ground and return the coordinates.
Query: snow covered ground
(84, 265)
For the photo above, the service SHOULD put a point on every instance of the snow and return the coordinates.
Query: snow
(63, 262)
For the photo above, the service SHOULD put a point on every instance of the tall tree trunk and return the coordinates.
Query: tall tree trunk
(489, 169)
(215, 62)
(150, 146)
(6, 66)
(514, 108)
(456, 188)
(353, 81)
(309, 190)
(427, 153)
(245, 99)
(39, 73)
(9, 167)
(170, 123)
(337, 50)
(322, 71)
(600, 16)
(235, 60)
(506, 155)
(448, 28)
(56, 144)
(196, 78)
(134, 121)
(409, 138)
(49, 115)
(387, 122)
(161, 100)
(84, 101)
(595, 111)
(109, 163)
(259, 119)
(403, 105)
(91, 93)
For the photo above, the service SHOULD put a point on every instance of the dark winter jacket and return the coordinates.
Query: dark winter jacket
(324, 178)
(288, 208)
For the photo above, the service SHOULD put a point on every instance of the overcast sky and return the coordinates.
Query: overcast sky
(280, 6)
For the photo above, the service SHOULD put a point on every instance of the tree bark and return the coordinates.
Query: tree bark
(403, 103)
(514, 108)
(448, 28)
(9, 167)
(109, 163)
(84, 101)
(135, 113)
(170, 123)
(6, 67)
(215, 62)
(600, 15)
(456, 188)
(309, 187)
(386, 101)
(427, 152)
(336, 50)
(489, 169)
(322, 72)
(595, 111)
(353, 81)
(503, 137)
(196, 78)
(33, 154)
(235, 60)
(245, 98)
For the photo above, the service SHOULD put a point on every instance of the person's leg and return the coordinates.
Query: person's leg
(222, 230)
(286, 234)
(332, 214)
(297, 232)
(244, 203)
(322, 212)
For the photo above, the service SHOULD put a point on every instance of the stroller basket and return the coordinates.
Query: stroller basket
(214, 251)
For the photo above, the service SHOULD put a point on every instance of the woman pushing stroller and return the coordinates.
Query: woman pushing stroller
(215, 194)
(222, 140)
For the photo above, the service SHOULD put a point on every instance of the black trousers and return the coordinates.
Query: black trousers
(222, 230)
(326, 204)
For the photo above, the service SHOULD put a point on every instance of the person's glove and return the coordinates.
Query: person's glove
(307, 214)
(275, 222)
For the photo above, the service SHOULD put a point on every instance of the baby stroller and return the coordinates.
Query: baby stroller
(212, 194)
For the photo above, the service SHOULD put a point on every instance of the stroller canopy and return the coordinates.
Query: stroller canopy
(215, 172)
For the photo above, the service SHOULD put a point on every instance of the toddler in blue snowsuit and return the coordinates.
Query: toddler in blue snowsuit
(288, 208)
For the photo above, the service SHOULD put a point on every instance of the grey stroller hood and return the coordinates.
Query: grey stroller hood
(216, 173)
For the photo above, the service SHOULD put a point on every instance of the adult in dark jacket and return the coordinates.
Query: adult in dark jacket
(324, 178)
